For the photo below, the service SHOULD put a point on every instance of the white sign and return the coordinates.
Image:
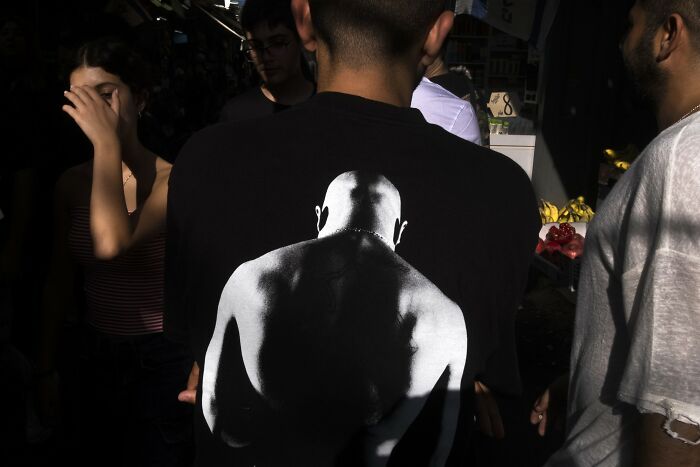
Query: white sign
(504, 104)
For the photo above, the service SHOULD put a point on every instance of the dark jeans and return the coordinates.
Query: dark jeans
(130, 415)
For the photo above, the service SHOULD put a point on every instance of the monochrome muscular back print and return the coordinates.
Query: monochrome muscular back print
(326, 351)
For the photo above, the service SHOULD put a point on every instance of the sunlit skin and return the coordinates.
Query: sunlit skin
(125, 174)
(279, 66)
(101, 118)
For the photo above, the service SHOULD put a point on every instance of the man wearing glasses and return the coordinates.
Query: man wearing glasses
(273, 47)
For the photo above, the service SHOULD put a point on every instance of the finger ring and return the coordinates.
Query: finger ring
(540, 416)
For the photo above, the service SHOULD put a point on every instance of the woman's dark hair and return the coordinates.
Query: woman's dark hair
(117, 57)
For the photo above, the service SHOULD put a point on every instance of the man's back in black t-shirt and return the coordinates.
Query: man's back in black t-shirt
(233, 199)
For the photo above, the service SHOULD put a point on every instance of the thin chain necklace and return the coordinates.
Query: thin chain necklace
(359, 230)
(128, 178)
(692, 111)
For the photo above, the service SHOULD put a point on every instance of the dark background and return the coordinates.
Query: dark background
(589, 104)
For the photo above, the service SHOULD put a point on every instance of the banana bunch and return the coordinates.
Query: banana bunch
(548, 212)
(621, 158)
(575, 210)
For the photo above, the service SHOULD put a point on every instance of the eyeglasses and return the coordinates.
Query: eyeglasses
(254, 49)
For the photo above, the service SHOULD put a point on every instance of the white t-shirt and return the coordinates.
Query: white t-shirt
(636, 341)
(440, 107)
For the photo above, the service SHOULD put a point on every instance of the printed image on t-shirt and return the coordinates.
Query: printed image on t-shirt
(321, 332)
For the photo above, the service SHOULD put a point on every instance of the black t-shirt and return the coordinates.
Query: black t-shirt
(249, 104)
(472, 218)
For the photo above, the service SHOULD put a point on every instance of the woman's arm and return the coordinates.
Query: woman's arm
(112, 231)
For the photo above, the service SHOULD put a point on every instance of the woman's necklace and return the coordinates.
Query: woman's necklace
(128, 178)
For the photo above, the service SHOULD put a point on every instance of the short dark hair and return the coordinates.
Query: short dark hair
(364, 31)
(117, 57)
(658, 11)
(275, 12)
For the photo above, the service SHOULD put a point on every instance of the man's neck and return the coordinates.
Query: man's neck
(291, 92)
(680, 100)
(384, 82)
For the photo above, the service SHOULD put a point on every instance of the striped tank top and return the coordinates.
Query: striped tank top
(124, 296)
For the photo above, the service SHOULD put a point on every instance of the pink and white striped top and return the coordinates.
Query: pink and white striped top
(124, 296)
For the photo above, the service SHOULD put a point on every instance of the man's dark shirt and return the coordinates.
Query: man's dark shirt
(241, 189)
(249, 104)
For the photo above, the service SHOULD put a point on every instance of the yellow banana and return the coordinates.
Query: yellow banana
(622, 165)
(621, 158)
(548, 212)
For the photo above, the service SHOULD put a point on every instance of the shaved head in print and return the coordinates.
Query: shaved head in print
(362, 200)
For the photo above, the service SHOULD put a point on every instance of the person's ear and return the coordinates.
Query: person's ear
(436, 36)
(321, 218)
(305, 28)
(398, 231)
(140, 100)
(670, 36)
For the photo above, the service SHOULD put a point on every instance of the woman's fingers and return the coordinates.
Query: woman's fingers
(89, 104)
(542, 428)
(114, 103)
(94, 116)
(75, 99)
(70, 110)
(85, 93)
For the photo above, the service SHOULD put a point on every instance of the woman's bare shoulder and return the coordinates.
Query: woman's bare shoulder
(163, 169)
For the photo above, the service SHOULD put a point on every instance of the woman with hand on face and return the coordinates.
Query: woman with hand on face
(110, 222)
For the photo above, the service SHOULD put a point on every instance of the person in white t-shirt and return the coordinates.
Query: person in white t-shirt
(440, 107)
(634, 384)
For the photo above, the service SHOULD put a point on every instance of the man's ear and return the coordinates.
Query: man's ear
(399, 227)
(317, 209)
(321, 218)
(305, 28)
(436, 36)
(670, 37)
